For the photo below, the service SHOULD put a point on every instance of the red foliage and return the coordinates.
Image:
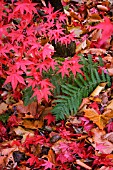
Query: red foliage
(22, 52)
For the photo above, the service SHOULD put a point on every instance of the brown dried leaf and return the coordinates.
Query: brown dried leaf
(109, 136)
(81, 46)
(21, 131)
(94, 17)
(97, 51)
(77, 30)
(3, 107)
(95, 35)
(31, 108)
(101, 144)
(84, 102)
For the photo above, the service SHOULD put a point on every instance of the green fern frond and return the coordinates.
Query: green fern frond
(71, 98)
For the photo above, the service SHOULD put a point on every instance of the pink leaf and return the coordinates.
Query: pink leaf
(47, 164)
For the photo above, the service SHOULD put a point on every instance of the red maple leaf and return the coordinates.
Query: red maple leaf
(50, 118)
(14, 77)
(22, 64)
(70, 65)
(47, 164)
(75, 66)
(64, 68)
(13, 121)
(33, 160)
(107, 30)
(25, 6)
(47, 51)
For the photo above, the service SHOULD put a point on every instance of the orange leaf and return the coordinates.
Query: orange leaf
(51, 156)
(99, 120)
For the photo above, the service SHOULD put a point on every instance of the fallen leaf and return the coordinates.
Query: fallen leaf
(51, 156)
(97, 51)
(102, 7)
(110, 105)
(2, 160)
(98, 89)
(3, 107)
(105, 168)
(82, 164)
(31, 108)
(81, 46)
(100, 120)
(101, 144)
(109, 136)
(21, 131)
(34, 124)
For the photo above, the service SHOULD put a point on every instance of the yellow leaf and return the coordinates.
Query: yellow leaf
(100, 120)
(98, 89)
(110, 105)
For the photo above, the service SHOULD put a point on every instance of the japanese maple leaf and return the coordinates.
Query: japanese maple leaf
(2, 8)
(70, 65)
(50, 118)
(62, 17)
(22, 64)
(65, 134)
(39, 94)
(107, 30)
(75, 66)
(14, 76)
(45, 83)
(13, 121)
(61, 157)
(47, 164)
(47, 51)
(25, 6)
(66, 39)
(64, 68)
(32, 160)
(46, 93)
